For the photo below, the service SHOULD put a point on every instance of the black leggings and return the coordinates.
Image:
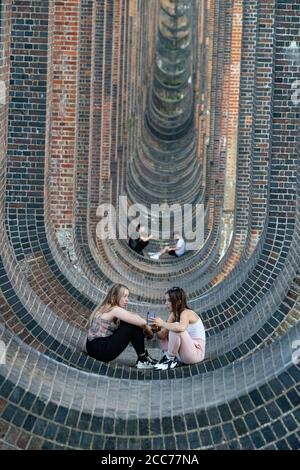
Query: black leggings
(140, 246)
(107, 349)
(172, 253)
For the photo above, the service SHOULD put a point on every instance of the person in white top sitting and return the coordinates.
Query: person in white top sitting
(177, 250)
(182, 335)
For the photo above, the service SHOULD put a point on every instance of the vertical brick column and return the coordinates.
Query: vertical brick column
(262, 119)
(113, 85)
(132, 76)
(5, 24)
(106, 129)
(84, 114)
(138, 48)
(205, 77)
(244, 153)
(109, 97)
(131, 79)
(122, 102)
(204, 72)
(244, 163)
(116, 97)
(229, 127)
(96, 110)
(222, 110)
(27, 123)
(64, 111)
(233, 105)
(215, 113)
(286, 117)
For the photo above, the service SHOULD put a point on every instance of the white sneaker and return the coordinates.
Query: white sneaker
(157, 256)
(168, 364)
(144, 364)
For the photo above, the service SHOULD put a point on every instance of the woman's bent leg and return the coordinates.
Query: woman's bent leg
(164, 344)
(174, 343)
(141, 245)
(125, 334)
(190, 351)
(98, 349)
(136, 337)
(107, 349)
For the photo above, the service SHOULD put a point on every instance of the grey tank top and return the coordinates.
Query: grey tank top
(101, 328)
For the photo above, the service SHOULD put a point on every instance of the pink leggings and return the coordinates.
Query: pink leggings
(186, 349)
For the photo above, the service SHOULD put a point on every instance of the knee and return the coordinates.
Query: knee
(174, 334)
(129, 327)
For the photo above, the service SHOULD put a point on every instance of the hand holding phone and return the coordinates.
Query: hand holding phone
(150, 316)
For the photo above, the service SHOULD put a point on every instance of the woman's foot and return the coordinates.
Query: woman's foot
(151, 359)
(145, 361)
(166, 363)
(143, 364)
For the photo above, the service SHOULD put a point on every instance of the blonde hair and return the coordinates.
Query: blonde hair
(112, 299)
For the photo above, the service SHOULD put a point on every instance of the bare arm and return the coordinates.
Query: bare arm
(146, 239)
(132, 319)
(162, 334)
(170, 325)
(128, 317)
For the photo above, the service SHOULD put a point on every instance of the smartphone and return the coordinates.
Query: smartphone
(150, 315)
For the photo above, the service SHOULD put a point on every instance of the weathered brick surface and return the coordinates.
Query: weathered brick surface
(245, 395)
(5, 25)
(27, 117)
(65, 96)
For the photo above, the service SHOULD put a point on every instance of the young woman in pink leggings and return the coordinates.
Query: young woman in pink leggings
(182, 335)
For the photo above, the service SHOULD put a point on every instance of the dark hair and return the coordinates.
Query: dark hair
(178, 301)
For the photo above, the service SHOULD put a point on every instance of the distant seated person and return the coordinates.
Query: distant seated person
(177, 250)
(138, 244)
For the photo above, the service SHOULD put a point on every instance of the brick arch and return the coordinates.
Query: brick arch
(245, 394)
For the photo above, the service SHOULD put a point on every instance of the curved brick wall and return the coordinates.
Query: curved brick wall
(75, 78)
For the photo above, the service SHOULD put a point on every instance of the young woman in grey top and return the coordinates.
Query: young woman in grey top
(112, 328)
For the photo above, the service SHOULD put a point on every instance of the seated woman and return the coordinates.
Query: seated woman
(112, 328)
(182, 335)
(138, 244)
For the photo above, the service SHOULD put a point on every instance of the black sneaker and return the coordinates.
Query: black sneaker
(164, 359)
(150, 359)
(167, 364)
